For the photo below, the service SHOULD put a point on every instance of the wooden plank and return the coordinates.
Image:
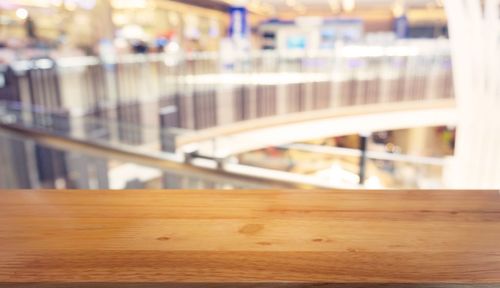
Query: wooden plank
(249, 238)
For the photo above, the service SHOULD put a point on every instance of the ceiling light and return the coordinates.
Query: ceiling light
(22, 13)
(128, 4)
(398, 8)
(348, 5)
(70, 5)
(87, 4)
(57, 3)
(334, 5)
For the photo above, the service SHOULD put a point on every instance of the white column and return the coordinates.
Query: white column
(474, 48)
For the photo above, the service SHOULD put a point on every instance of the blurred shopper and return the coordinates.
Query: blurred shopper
(139, 47)
(30, 27)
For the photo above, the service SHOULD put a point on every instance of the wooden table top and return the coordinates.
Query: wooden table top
(245, 238)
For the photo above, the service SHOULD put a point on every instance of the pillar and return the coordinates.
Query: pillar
(473, 30)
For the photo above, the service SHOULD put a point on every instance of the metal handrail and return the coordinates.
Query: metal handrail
(376, 155)
(201, 167)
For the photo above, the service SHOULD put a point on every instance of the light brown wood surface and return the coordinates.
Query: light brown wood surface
(243, 237)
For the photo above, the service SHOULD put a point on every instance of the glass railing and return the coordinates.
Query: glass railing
(145, 103)
(143, 98)
(310, 165)
(28, 163)
(106, 135)
(341, 167)
(87, 128)
(204, 90)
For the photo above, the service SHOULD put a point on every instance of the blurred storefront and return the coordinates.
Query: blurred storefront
(80, 27)
(158, 23)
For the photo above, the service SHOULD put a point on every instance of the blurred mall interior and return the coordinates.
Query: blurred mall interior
(373, 94)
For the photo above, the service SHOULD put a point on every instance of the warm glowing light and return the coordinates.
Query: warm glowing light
(87, 4)
(22, 13)
(334, 5)
(173, 18)
(70, 5)
(128, 4)
(57, 3)
(398, 9)
(373, 183)
(348, 5)
(120, 19)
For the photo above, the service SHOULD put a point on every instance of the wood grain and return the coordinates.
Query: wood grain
(246, 238)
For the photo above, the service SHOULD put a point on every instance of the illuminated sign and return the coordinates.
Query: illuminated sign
(238, 27)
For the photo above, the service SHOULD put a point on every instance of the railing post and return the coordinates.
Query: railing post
(363, 143)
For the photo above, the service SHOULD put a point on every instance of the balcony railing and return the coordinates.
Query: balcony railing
(207, 90)
(73, 128)
(142, 103)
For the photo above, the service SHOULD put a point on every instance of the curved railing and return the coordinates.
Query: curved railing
(73, 132)
(209, 90)
(154, 103)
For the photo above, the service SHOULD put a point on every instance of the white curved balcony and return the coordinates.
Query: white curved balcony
(218, 107)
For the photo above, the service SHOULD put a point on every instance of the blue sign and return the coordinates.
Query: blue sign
(296, 42)
(238, 28)
(401, 26)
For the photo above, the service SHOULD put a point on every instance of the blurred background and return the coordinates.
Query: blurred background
(121, 94)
